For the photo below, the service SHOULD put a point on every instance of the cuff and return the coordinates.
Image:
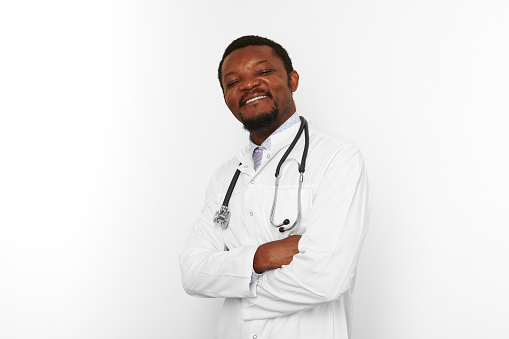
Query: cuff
(255, 276)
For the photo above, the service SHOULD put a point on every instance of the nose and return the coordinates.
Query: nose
(249, 83)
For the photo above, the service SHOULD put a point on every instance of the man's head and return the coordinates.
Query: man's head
(254, 40)
(257, 78)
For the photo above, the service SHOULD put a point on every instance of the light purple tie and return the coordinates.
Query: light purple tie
(257, 157)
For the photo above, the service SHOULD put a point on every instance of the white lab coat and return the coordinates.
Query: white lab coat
(310, 297)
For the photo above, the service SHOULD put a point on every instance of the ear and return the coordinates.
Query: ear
(294, 80)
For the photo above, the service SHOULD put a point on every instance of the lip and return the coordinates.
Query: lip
(258, 94)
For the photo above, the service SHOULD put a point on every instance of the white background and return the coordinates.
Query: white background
(112, 121)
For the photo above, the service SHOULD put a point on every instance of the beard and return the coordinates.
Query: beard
(262, 121)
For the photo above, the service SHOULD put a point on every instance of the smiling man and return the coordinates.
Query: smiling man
(258, 89)
(280, 242)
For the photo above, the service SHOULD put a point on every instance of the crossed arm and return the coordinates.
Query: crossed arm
(320, 265)
(275, 254)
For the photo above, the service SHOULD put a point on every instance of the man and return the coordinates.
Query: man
(290, 284)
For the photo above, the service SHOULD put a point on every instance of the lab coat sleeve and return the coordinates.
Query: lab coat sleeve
(326, 264)
(207, 269)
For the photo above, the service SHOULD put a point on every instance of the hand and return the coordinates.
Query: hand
(275, 254)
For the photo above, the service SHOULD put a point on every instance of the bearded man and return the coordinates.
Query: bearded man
(283, 255)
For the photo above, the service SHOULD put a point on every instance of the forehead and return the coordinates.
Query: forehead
(250, 56)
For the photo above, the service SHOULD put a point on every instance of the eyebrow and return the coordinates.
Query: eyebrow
(255, 64)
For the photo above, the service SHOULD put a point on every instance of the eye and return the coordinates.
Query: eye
(231, 83)
(265, 72)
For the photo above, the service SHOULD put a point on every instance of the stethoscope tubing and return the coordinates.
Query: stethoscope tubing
(302, 169)
(274, 203)
(222, 217)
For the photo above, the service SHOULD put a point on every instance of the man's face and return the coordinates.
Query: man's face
(257, 89)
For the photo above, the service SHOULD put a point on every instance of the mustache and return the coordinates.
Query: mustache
(243, 98)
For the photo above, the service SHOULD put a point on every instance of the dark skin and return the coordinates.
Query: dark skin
(275, 254)
(255, 81)
(257, 72)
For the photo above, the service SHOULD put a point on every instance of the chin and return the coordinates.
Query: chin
(261, 121)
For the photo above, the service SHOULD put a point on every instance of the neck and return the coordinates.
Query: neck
(260, 136)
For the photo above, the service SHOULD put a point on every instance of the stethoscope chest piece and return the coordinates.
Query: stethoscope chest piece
(222, 217)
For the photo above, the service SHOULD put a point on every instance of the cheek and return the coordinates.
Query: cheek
(230, 100)
(283, 92)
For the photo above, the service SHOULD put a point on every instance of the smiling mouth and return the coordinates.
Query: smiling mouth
(256, 98)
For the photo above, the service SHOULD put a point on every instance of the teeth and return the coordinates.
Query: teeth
(255, 98)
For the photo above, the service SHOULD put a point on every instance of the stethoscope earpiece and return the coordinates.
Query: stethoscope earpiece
(282, 228)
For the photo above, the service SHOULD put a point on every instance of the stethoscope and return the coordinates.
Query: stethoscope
(222, 217)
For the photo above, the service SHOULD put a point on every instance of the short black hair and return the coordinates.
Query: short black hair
(254, 40)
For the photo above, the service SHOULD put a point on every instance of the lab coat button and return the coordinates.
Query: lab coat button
(251, 213)
(268, 155)
(245, 166)
(255, 336)
(252, 181)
